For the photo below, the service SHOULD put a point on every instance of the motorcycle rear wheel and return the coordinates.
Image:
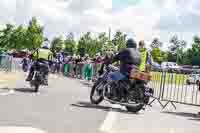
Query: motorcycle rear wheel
(135, 109)
(139, 94)
(37, 87)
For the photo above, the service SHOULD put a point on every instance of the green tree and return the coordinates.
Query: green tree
(156, 52)
(81, 50)
(19, 38)
(157, 55)
(57, 44)
(193, 54)
(87, 45)
(6, 36)
(156, 43)
(170, 56)
(35, 37)
(119, 40)
(177, 48)
(102, 43)
(70, 44)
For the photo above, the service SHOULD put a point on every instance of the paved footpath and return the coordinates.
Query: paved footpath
(64, 107)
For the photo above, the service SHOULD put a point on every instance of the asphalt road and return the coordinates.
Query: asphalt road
(54, 109)
(64, 107)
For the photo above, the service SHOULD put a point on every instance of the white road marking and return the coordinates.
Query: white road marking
(172, 130)
(3, 80)
(7, 93)
(109, 121)
(20, 130)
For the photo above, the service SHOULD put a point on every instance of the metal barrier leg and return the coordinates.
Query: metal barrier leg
(154, 101)
(171, 104)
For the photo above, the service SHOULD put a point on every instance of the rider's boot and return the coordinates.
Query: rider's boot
(29, 77)
(46, 80)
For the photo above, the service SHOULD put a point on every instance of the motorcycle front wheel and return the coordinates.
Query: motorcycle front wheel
(96, 95)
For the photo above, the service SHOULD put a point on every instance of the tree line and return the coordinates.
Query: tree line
(31, 37)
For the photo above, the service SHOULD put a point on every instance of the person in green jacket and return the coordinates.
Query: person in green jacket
(146, 59)
(88, 69)
(43, 56)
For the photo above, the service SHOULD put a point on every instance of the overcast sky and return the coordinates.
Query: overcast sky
(141, 19)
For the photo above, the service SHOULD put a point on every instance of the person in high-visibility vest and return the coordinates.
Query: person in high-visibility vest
(42, 55)
(146, 59)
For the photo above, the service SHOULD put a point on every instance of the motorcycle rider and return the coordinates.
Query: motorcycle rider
(129, 58)
(42, 55)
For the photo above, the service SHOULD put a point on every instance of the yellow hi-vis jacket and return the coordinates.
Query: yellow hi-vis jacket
(42, 54)
(143, 55)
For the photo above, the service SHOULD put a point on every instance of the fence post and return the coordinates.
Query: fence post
(160, 92)
(163, 86)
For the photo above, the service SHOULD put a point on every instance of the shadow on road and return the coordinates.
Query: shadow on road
(24, 90)
(195, 119)
(104, 108)
(184, 114)
(86, 83)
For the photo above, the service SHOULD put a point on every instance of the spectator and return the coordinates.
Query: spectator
(79, 66)
(74, 66)
(97, 65)
(87, 69)
(58, 63)
(146, 59)
(25, 63)
(67, 65)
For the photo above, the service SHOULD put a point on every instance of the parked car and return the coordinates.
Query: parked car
(186, 67)
(195, 67)
(193, 79)
(170, 66)
(156, 67)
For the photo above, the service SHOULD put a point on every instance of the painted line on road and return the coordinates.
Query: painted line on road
(7, 93)
(3, 80)
(172, 130)
(110, 120)
(14, 129)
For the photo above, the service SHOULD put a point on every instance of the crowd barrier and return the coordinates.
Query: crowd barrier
(175, 88)
(6, 63)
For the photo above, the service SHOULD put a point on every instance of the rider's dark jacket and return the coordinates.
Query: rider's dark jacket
(129, 58)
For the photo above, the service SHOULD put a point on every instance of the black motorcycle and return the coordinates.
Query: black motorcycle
(38, 78)
(137, 94)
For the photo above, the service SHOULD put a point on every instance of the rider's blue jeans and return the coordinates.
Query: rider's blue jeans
(116, 76)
